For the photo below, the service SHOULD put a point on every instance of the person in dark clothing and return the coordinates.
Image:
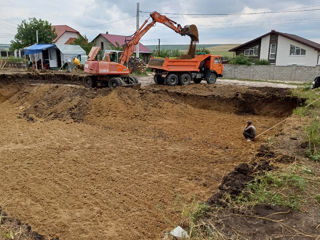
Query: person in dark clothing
(249, 132)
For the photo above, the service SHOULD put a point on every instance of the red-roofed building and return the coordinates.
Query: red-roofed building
(108, 41)
(65, 34)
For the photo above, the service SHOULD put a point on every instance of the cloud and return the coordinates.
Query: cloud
(92, 17)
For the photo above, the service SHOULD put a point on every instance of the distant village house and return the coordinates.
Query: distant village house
(108, 41)
(281, 49)
(65, 34)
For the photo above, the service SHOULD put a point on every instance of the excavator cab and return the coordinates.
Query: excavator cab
(112, 55)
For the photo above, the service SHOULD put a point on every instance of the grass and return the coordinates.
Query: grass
(12, 59)
(275, 189)
(223, 50)
(312, 111)
(291, 187)
(191, 214)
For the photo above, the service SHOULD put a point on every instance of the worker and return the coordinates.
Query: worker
(249, 132)
(76, 62)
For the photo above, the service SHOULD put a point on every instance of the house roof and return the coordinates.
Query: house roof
(70, 49)
(61, 29)
(121, 40)
(287, 35)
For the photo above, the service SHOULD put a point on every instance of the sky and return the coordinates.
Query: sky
(241, 24)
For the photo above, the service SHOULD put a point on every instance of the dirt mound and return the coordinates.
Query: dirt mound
(233, 183)
(51, 101)
(10, 227)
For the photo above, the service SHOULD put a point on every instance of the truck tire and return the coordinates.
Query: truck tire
(185, 79)
(172, 79)
(88, 82)
(158, 79)
(211, 77)
(114, 82)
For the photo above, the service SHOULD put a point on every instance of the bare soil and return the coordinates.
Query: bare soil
(97, 164)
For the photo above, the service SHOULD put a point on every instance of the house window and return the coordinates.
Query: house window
(273, 51)
(297, 51)
(251, 52)
(102, 46)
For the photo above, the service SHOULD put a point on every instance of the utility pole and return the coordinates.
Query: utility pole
(138, 12)
(37, 36)
(159, 47)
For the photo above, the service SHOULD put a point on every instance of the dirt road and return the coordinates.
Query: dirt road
(87, 164)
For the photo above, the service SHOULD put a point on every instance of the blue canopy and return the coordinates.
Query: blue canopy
(37, 48)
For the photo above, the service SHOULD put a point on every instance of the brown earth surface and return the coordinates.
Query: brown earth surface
(94, 164)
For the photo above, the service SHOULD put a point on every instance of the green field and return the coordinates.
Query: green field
(216, 49)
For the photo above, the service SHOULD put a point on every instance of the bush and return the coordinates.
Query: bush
(203, 51)
(241, 60)
(313, 133)
(261, 62)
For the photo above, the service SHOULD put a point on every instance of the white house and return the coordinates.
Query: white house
(65, 34)
(281, 49)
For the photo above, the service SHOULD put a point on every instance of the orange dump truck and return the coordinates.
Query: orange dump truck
(182, 71)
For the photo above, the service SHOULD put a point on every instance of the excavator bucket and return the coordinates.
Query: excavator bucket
(192, 31)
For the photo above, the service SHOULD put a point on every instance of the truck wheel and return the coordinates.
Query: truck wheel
(172, 79)
(114, 82)
(185, 79)
(211, 78)
(88, 82)
(197, 80)
(158, 79)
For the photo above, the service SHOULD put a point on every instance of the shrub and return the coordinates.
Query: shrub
(261, 62)
(203, 51)
(313, 133)
(241, 60)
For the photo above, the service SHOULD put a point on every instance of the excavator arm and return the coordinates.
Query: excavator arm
(190, 30)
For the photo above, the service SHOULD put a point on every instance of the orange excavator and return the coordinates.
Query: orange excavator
(114, 74)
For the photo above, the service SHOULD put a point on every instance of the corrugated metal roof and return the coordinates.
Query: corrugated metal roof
(121, 40)
(70, 49)
(36, 48)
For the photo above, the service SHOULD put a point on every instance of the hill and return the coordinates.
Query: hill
(217, 49)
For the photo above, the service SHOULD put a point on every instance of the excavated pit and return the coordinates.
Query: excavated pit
(82, 163)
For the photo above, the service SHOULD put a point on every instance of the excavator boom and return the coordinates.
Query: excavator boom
(189, 30)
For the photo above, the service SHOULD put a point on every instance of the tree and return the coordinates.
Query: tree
(84, 43)
(26, 35)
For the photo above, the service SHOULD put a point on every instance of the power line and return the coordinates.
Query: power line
(237, 14)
